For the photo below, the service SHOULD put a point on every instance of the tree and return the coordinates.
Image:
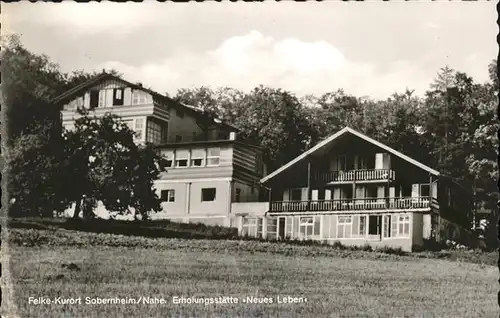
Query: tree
(275, 119)
(34, 175)
(102, 163)
(29, 83)
(220, 103)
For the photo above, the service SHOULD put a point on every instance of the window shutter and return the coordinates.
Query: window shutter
(415, 190)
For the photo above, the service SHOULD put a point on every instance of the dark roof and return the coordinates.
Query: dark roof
(64, 97)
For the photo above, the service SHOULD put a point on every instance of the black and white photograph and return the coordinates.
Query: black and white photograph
(250, 159)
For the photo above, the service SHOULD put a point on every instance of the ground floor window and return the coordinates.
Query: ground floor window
(272, 228)
(362, 225)
(167, 195)
(306, 227)
(309, 227)
(404, 225)
(259, 227)
(344, 226)
(249, 227)
(208, 194)
(397, 225)
(289, 227)
(387, 226)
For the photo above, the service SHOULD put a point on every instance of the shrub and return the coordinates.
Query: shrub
(367, 248)
(391, 250)
(339, 245)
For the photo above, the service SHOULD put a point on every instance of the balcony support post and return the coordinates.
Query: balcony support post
(387, 192)
(430, 190)
(309, 190)
(270, 201)
(353, 188)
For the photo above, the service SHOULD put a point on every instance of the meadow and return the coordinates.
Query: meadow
(332, 282)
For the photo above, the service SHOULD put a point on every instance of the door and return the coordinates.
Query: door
(281, 228)
(375, 227)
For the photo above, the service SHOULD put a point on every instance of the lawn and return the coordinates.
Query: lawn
(336, 283)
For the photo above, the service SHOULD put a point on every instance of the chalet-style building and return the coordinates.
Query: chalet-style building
(355, 190)
(210, 168)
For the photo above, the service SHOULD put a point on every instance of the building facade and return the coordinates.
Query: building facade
(209, 170)
(354, 190)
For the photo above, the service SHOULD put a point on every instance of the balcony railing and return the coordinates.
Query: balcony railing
(353, 204)
(355, 175)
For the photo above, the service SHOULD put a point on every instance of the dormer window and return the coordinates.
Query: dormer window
(118, 96)
(138, 97)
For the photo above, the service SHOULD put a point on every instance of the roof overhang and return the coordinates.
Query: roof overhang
(334, 137)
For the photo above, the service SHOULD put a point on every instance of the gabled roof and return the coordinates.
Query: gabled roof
(106, 76)
(344, 131)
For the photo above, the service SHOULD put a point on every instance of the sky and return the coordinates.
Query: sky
(365, 48)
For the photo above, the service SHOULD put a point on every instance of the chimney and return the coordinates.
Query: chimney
(232, 135)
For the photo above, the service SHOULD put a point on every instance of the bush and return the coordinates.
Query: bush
(367, 248)
(391, 250)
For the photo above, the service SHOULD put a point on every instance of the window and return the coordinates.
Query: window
(309, 227)
(213, 156)
(371, 191)
(259, 227)
(139, 123)
(138, 97)
(154, 132)
(94, 98)
(330, 226)
(424, 190)
(288, 226)
(169, 159)
(404, 225)
(237, 196)
(296, 194)
(179, 113)
(102, 98)
(344, 226)
(362, 225)
(118, 96)
(346, 192)
(181, 158)
(361, 163)
(249, 227)
(342, 163)
(394, 226)
(168, 195)
(405, 191)
(208, 194)
(197, 157)
(387, 226)
(272, 228)
(79, 102)
(178, 138)
(306, 227)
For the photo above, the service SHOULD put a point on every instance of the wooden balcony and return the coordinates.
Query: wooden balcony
(372, 175)
(362, 204)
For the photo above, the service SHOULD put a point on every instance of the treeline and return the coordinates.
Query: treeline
(452, 128)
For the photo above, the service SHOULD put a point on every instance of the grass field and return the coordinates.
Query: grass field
(336, 283)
